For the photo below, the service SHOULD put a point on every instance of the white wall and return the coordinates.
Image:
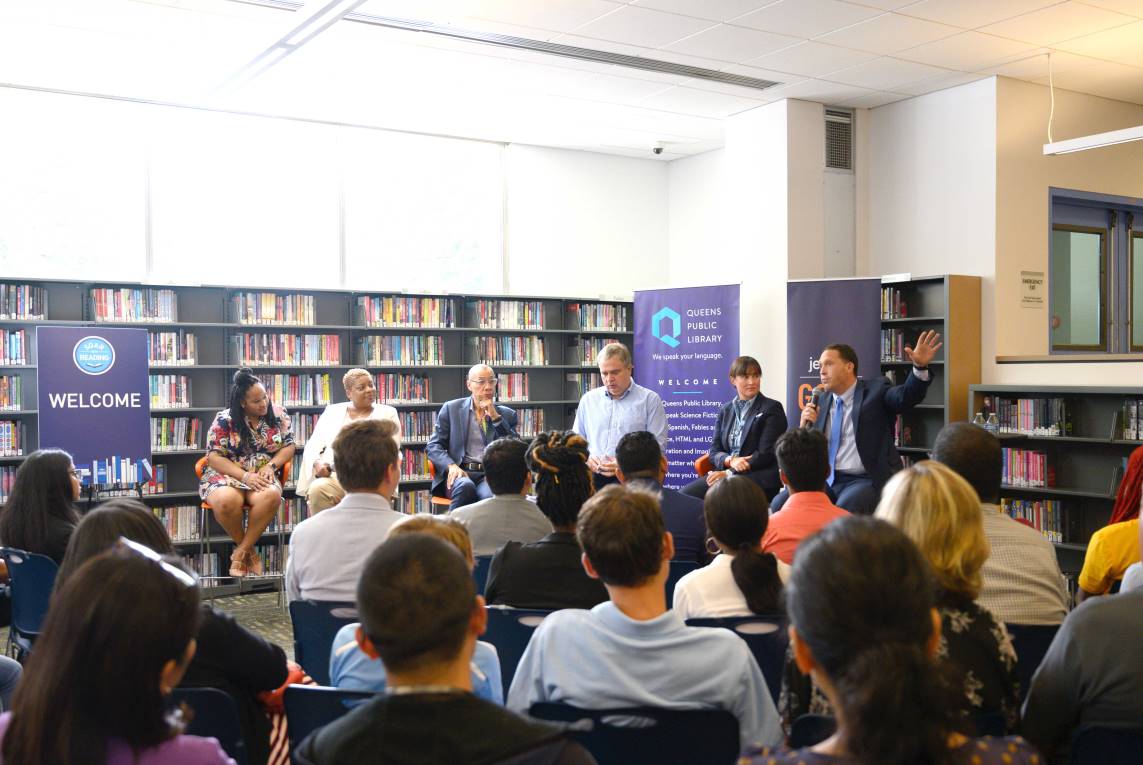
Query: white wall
(696, 206)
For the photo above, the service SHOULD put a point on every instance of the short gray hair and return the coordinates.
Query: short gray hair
(350, 377)
(614, 351)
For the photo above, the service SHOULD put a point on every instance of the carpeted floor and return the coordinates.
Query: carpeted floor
(261, 613)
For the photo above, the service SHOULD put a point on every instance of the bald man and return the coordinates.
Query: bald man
(464, 427)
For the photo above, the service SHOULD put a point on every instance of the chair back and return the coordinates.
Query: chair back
(315, 626)
(809, 730)
(703, 465)
(767, 638)
(510, 629)
(1031, 642)
(309, 707)
(649, 734)
(216, 715)
(480, 573)
(32, 578)
(1107, 746)
(679, 569)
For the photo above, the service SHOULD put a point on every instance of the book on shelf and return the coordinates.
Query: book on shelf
(516, 351)
(414, 465)
(529, 422)
(413, 502)
(171, 349)
(297, 389)
(400, 350)
(1030, 416)
(123, 304)
(23, 302)
(13, 347)
(893, 305)
(1044, 515)
(893, 345)
(7, 478)
(294, 511)
(507, 314)
(1131, 420)
(11, 393)
(403, 387)
(180, 521)
(599, 317)
(588, 348)
(175, 434)
(512, 386)
(206, 565)
(295, 470)
(302, 426)
(157, 484)
(417, 425)
(170, 391)
(580, 383)
(119, 470)
(1025, 468)
(282, 309)
(405, 311)
(272, 556)
(13, 438)
(266, 349)
(902, 432)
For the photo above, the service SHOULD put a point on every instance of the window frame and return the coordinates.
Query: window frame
(1105, 235)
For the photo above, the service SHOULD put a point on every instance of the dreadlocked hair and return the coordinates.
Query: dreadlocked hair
(563, 482)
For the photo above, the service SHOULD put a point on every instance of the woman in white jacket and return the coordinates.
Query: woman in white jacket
(316, 477)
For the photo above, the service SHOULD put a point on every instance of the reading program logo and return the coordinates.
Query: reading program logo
(93, 355)
(671, 339)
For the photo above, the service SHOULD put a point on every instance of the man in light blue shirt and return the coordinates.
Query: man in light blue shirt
(632, 651)
(616, 408)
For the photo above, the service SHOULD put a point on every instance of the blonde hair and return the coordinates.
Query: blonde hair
(449, 529)
(940, 511)
(614, 351)
(350, 377)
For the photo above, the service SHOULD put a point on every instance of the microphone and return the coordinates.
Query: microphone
(815, 401)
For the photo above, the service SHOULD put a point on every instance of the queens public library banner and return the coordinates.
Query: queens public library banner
(95, 401)
(823, 312)
(685, 339)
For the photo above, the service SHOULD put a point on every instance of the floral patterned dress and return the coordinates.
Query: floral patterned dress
(225, 439)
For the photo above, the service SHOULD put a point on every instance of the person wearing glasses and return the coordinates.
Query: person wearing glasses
(40, 514)
(464, 427)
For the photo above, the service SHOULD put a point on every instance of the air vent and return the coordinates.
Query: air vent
(839, 139)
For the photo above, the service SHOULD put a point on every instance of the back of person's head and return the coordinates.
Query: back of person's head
(621, 532)
(737, 514)
(102, 527)
(974, 454)
(940, 512)
(803, 456)
(416, 596)
(638, 455)
(871, 635)
(449, 529)
(41, 491)
(563, 480)
(363, 452)
(100, 661)
(505, 468)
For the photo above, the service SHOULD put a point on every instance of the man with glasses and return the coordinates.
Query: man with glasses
(464, 427)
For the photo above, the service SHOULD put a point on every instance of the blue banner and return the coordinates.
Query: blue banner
(95, 400)
(825, 312)
(685, 340)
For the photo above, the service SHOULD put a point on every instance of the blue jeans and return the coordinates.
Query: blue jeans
(469, 489)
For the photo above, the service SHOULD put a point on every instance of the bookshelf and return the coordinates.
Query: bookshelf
(300, 342)
(950, 305)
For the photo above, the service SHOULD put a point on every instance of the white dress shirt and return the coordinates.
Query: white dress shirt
(847, 459)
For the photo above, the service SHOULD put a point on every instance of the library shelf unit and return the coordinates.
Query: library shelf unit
(950, 305)
(418, 346)
(1085, 460)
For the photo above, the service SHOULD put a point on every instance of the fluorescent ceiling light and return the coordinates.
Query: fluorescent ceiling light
(1095, 141)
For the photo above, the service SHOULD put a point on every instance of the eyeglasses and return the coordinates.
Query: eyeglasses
(190, 580)
(483, 381)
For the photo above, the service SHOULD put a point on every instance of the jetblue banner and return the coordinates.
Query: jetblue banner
(685, 340)
(95, 401)
(821, 313)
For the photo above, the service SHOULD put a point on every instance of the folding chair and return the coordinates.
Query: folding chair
(1107, 746)
(309, 707)
(315, 626)
(214, 714)
(649, 734)
(510, 629)
(32, 578)
(480, 573)
(440, 505)
(679, 569)
(767, 638)
(1031, 642)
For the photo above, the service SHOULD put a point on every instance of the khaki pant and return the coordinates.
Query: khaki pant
(324, 493)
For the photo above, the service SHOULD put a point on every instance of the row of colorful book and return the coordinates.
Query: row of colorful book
(1133, 419)
(302, 426)
(602, 317)
(157, 484)
(413, 502)
(400, 350)
(13, 347)
(23, 302)
(1044, 515)
(507, 314)
(893, 305)
(512, 386)
(417, 425)
(902, 432)
(297, 389)
(414, 465)
(178, 348)
(13, 438)
(175, 434)
(893, 345)
(530, 422)
(272, 308)
(403, 311)
(265, 349)
(11, 393)
(1026, 468)
(587, 349)
(580, 383)
(7, 478)
(170, 391)
(403, 387)
(133, 304)
(1030, 416)
(497, 349)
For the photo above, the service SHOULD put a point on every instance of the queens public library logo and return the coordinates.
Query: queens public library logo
(93, 355)
(672, 339)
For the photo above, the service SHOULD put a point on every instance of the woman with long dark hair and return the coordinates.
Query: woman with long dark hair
(247, 446)
(741, 580)
(40, 514)
(117, 639)
(864, 621)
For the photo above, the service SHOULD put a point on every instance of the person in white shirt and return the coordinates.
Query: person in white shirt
(328, 550)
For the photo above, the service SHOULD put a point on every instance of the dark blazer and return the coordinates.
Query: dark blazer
(450, 435)
(766, 421)
(682, 515)
(544, 574)
(877, 404)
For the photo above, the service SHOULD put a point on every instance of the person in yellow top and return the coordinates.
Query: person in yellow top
(1111, 550)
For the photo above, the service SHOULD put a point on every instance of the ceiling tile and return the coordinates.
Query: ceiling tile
(968, 51)
(501, 28)
(785, 78)
(888, 33)
(715, 10)
(731, 43)
(1130, 7)
(1122, 44)
(811, 59)
(885, 73)
(1059, 22)
(640, 26)
(608, 46)
(806, 18)
(758, 94)
(555, 15)
(703, 103)
(1124, 83)
(873, 100)
(1035, 66)
(885, 5)
(970, 14)
(824, 92)
(933, 84)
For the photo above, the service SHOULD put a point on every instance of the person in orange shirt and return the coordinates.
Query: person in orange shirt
(803, 466)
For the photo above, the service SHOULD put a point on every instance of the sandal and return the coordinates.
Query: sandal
(254, 563)
(238, 562)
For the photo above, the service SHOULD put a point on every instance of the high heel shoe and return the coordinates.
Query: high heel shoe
(254, 563)
(238, 562)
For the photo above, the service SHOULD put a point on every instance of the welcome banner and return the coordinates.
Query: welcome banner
(685, 340)
(95, 401)
(821, 313)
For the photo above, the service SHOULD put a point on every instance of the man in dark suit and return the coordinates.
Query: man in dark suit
(857, 417)
(464, 427)
(640, 464)
(748, 427)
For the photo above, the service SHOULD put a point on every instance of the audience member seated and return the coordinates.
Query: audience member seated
(871, 641)
(39, 516)
(117, 639)
(317, 479)
(420, 616)
(248, 444)
(1092, 674)
(632, 651)
(803, 464)
(228, 657)
(327, 550)
(353, 669)
(741, 580)
(1133, 578)
(641, 464)
(1112, 549)
(744, 436)
(547, 573)
(1022, 579)
(506, 516)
